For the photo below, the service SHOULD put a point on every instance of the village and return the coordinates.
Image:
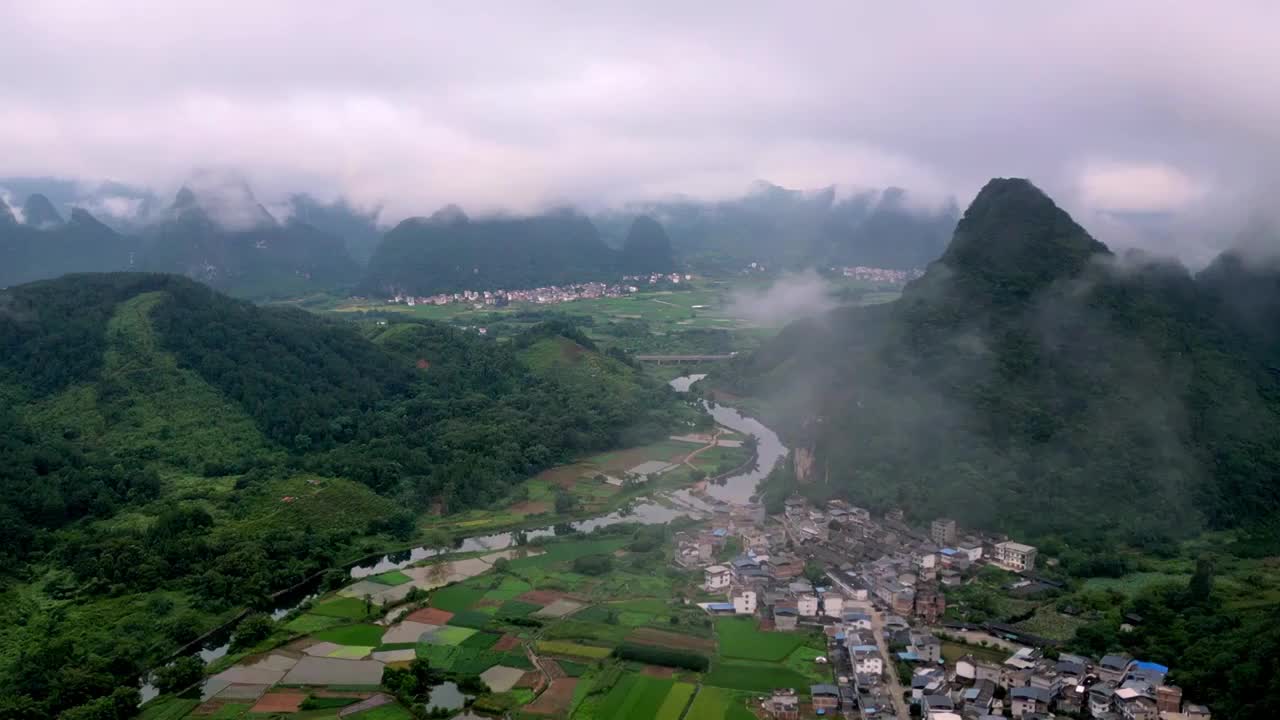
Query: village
(548, 295)
(877, 589)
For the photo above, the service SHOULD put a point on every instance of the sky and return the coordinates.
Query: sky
(1138, 107)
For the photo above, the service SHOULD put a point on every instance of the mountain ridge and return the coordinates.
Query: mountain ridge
(1044, 391)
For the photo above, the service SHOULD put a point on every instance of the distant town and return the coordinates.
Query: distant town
(877, 590)
(884, 275)
(548, 295)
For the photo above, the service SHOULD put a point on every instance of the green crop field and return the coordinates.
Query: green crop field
(457, 597)
(167, 707)
(761, 677)
(384, 712)
(341, 607)
(711, 703)
(395, 577)
(359, 635)
(739, 638)
(641, 696)
(449, 635)
(310, 622)
(676, 701)
(557, 647)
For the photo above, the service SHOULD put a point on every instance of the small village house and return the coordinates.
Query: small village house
(1015, 556)
(717, 577)
(1027, 700)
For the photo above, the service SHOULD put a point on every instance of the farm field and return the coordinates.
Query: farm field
(740, 638)
(542, 602)
(713, 703)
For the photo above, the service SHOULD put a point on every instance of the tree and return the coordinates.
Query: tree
(1200, 586)
(502, 565)
(566, 503)
(814, 572)
(179, 674)
(253, 630)
(593, 564)
(437, 539)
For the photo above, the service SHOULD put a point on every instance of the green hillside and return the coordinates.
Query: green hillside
(1033, 383)
(169, 455)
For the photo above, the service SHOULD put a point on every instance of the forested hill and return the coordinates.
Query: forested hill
(450, 252)
(1032, 382)
(168, 453)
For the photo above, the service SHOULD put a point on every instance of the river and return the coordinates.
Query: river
(736, 489)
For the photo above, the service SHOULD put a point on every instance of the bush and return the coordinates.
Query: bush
(663, 656)
(593, 564)
(253, 630)
(180, 674)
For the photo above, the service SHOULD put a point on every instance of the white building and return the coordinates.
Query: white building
(832, 605)
(717, 577)
(1015, 556)
(744, 602)
(807, 605)
(867, 660)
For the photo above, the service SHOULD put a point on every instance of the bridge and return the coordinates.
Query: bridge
(683, 359)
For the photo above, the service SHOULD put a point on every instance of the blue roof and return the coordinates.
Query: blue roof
(839, 636)
(719, 532)
(720, 606)
(1144, 665)
(908, 655)
(948, 551)
(865, 648)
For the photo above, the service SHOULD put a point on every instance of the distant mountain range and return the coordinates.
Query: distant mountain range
(450, 252)
(215, 230)
(785, 228)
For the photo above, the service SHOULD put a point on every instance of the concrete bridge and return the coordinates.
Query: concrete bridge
(683, 359)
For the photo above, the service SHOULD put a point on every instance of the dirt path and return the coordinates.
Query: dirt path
(715, 438)
(895, 687)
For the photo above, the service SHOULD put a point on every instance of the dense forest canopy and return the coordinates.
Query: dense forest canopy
(1032, 382)
(149, 427)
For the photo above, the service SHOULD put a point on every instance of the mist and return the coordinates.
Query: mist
(793, 296)
(1141, 107)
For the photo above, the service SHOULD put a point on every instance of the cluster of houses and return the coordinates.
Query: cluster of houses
(881, 605)
(875, 274)
(1032, 686)
(548, 295)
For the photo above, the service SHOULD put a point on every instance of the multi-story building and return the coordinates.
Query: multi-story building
(1015, 556)
(943, 532)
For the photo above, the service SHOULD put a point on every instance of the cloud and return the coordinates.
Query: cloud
(1138, 188)
(791, 297)
(14, 204)
(410, 106)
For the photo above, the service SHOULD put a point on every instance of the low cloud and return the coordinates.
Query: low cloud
(791, 297)
(14, 205)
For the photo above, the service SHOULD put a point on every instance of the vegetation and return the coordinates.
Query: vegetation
(662, 656)
(169, 455)
(740, 638)
(1032, 383)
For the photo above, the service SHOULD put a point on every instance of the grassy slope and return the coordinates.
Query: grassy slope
(143, 402)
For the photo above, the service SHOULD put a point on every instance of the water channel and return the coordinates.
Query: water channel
(736, 489)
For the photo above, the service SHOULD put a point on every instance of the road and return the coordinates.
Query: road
(890, 667)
